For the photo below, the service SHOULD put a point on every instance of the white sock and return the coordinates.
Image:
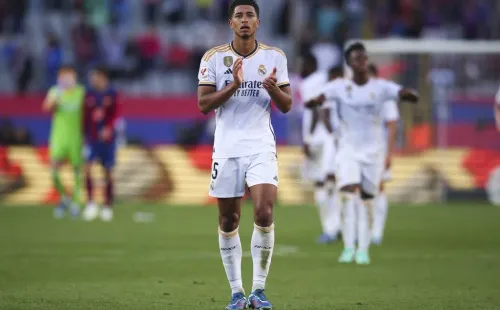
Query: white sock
(334, 222)
(262, 252)
(350, 200)
(231, 253)
(321, 198)
(363, 224)
(379, 216)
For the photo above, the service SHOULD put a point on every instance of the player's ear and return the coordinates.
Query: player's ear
(230, 23)
(258, 23)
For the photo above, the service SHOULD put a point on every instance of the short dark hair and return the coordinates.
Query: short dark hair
(336, 71)
(236, 3)
(67, 68)
(310, 60)
(372, 68)
(101, 70)
(357, 46)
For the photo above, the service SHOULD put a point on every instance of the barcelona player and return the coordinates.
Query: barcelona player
(100, 118)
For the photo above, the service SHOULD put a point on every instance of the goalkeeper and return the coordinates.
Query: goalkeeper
(65, 100)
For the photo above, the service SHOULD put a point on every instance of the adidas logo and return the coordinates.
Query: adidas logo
(229, 71)
(276, 178)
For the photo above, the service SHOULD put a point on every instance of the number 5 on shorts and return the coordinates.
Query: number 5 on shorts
(214, 171)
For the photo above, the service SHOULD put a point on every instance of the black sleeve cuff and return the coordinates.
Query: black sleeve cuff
(202, 84)
(284, 85)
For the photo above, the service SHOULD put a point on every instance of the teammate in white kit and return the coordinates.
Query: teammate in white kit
(360, 156)
(390, 117)
(238, 80)
(319, 146)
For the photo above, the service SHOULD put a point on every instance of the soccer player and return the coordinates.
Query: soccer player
(360, 156)
(239, 80)
(319, 144)
(101, 116)
(65, 101)
(390, 116)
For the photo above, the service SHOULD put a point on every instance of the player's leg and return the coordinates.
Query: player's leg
(348, 183)
(108, 160)
(333, 219)
(91, 211)
(262, 179)
(371, 177)
(228, 186)
(58, 154)
(380, 210)
(314, 166)
(76, 160)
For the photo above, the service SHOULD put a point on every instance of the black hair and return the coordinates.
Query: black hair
(336, 71)
(101, 70)
(66, 68)
(372, 68)
(310, 60)
(357, 46)
(236, 3)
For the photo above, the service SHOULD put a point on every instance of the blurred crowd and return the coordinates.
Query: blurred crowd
(154, 46)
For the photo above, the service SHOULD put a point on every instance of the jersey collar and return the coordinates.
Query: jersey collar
(245, 56)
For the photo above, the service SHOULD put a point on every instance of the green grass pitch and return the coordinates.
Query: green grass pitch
(434, 257)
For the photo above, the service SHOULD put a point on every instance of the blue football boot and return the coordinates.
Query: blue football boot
(238, 301)
(258, 300)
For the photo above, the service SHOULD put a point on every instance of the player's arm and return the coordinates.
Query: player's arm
(51, 100)
(209, 98)
(497, 110)
(408, 94)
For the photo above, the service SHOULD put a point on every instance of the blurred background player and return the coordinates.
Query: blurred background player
(239, 80)
(380, 209)
(101, 120)
(360, 155)
(319, 145)
(65, 101)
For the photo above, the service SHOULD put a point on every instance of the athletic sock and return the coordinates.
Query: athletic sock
(379, 215)
(363, 224)
(109, 193)
(334, 222)
(231, 253)
(262, 252)
(89, 183)
(321, 198)
(77, 186)
(350, 200)
(56, 178)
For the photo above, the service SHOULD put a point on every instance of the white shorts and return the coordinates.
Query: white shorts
(351, 170)
(229, 175)
(322, 163)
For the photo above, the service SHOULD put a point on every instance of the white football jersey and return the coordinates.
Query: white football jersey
(497, 97)
(389, 114)
(359, 114)
(243, 123)
(310, 88)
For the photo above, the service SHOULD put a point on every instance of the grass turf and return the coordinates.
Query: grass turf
(434, 257)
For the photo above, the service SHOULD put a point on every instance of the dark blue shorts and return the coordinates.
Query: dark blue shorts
(105, 153)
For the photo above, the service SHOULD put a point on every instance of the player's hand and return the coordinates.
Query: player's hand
(388, 162)
(105, 134)
(238, 71)
(270, 83)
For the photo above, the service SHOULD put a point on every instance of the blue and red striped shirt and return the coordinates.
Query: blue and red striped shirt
(101, 111)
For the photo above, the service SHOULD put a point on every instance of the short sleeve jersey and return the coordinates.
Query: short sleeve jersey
(68, 117)
(311, 88)
(243, 123)
(361, 112)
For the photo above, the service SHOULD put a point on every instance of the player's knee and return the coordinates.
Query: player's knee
(229, 222)
(264, 213)
(350, 188)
